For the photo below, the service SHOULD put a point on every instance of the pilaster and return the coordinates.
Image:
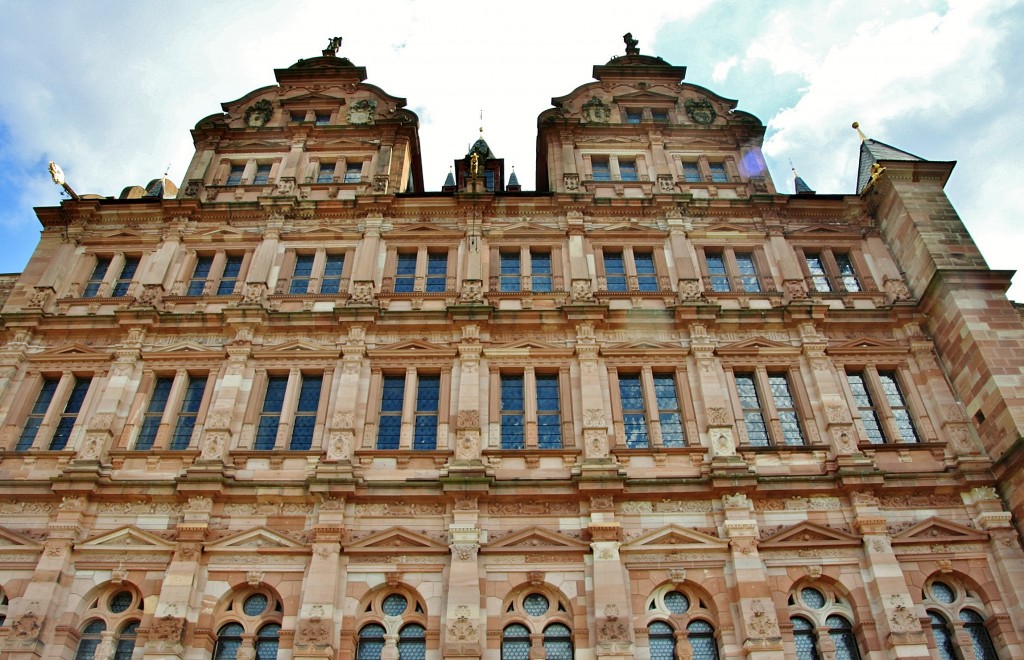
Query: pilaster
(611, 594)
(464, 618)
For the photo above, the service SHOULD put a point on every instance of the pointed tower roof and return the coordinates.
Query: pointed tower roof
(872, 151)
(513, 180)
(800, 186)
(449, 180)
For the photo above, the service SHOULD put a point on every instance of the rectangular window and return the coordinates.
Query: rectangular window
(829, 271)
(634, 116)
(298, 117)
(615, 272)
(540, 272)
(902, 422)
(866, 408)
(389, 425)
(353, 171)
(717, 273)
(428, 393)
(304, 421)
(229, 278)
(691, 173)
(326, 173)
(549, 420)
(405, 272)
(602, 171)
(747, 272)
(99, 272)
(785, 408)
(200, 274)
(124, 280)
(489, 180)
(753, 414)
(513, 412)
(659, 116)
(301, 274)
(270, 417)
(846, 273)
(35, 418)
(182, 435)
(634, 420)
(70, 415)
(334, 266)
(669, 415)
(718, 173)
(627, 169)
(646, 277)
(819, 278)
(235, 175)
(322, 119)
(262, 176)
(510, 272)
(437, 272)
(154, 414)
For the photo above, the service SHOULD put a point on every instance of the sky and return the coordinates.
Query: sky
(110, 90)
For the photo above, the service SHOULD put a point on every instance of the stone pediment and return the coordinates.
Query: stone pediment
(189, 347)
(126, 539)
(605, 140)
(417, 346)
(808, 534)
(866, 345)
(756, 346)
(727, 228)
(536, 539)
(422, 231)
(527, 347)
(819, 231)
(645, 96)
(628, 230)
(259, 539)
(307, 231)
(396, 540)
(643, 345)
(11, 540)
(307, 96)
(223, 231)
(674, 537)
(939, 530)
(297, 348)
(525, 228)
(126, 234)
(73, 351)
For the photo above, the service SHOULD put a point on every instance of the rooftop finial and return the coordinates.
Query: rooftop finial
(333, 44)
(631, 44)
(856, 127)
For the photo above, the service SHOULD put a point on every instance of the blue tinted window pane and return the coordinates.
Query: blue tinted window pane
(900, 413)
(540, 265)
(818, 275)
(691, 173)
(428, 392)
(633, 418)
(646, 278)
(846, 273)
(405, 272)
(229, 639)
(389, 428)
(187, 417)
(515, 643)
(70, 415)
(393, 394)
(394, 604)
(748, 273)
(549, 424)
(126, 642)
(866, 407)
(437, 271)
(716, 273)
(627, 170)
(301, 274)
(151, 420)
(558, 642)
(124, 280)
(87, 649)
(325, 173)
(671, 419)
(509, 270)
(262, 176)
(274, 399)
(512, 412)
(371, 642)
(943, 637)
(615, 272)
(677, 602)
(120, 602)
(412, 642)
(232, 267)
(841, 633)
(718, 173)
(309, 394)
(235, 175)
(305, 413)
(267, 642)
(536, 604)
(974, 626)
(602, 171)
(812, 598)
(786, 408)
(806, 642)
(661, 641)
(201, 272)
(35, 418)
(92, 287)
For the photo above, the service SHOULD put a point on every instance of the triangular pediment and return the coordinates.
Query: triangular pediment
(536, 539)
(297, 346)
(643, 345)
(939, 530)
(127, 538)
(73, 350)
(605, 140)
(222, 231)
(258, 539)
(125, 233)
(306, 232)
(756, 345)
(818, 231)
(525, 228)
(307, 96)
(866, 345)
(189, 347)
(422, 230)
(627, 228)
(528, 344)
(645, 96)
(396, 539)
(673, 537)
(806, 534)
(12, 540)
(411, 346)
(728, 228)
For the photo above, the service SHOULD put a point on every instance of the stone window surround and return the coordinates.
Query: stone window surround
(55, 410)
(797, 391)
(628, 250)
(87, 264)
(704, 165)
(216, 269)
(728, 252)
(408, 432)
(422, 259)
(320, 254)
(341, 163)
(651, 411)
(639, 157)
(249, 164)
(286, 418)
(554, 248)
(834, 605)
(496, 370)
(914, 404)
(655, 610)
(827, 254)
(172, 409)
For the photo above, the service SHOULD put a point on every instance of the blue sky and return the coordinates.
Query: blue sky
(111, 93)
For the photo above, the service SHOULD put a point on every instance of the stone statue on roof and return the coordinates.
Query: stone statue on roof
(333, 45)
(631, 44)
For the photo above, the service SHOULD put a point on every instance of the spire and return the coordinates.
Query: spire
(513, 182)
(449, 182)
(872, 151)
(800, 186)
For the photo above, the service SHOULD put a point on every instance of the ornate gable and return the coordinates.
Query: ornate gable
(536, 539)
(808, 534)
(938, 530)
(674, 537)
(396, 540)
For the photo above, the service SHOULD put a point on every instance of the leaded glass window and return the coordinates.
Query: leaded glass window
(90, 640)
(806, 642)
(669, 415)
(846, 273)
(615, 272)
(437, 272)
(898, 405)
(676, 602)
(841, 633)
(515, 642)
(646, 276)
(785, 408)
(627, 169)
(305, 412)
(389, 424)
(819, 278)
(235, 175)
(394, 605)
(126, 641)
(753, 415)
(558, 642)
(200, 274)
(301, 274)
(371, 642)
(691, 173)
(255, 605)
(661, 641)
(747, 272)
(540, 272)
(412, 642)
(718, 173)
(866, 408)
(513, 412)
(99, 271)
(270, 417)
(428, 393)
(701, 636)
(405, 272)
(262, 175)
(353, 172)
(326, 173)
(267, 641)
(35, 417)
(974, 626)
(601, 169)
(124, 280)
(812, 598)
(333, 267)
(190, 404)
(154, 413)
(943, 636)
(634, 420)
(120, 602)
(229, 277)
(536, 604)
(942, 592)
(509, 272)
(70, 415)
(549, 421)
(229, 639)
(717, 272)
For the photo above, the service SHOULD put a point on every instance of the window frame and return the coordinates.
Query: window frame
(737, 281)
(872, 375)
(965, 599)
(420, 279)
(530, 413)
(373, 613)
(524, 282)
(769, 410)
(232, 611)
(406, 416)
(647, 376)
(833, 605)
(632, 277)
(558, 612)
(283, 420)
(597, 164)
(832, 274)
(101, 612)
(214, 281)
(657, 610)
(323, 259)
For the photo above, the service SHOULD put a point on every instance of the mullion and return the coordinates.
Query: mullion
(428, 392)
(898, 405)
(646, 277)
(753, 415)
(154, 413)
(270, 417)
(70, 414)
(305, 413)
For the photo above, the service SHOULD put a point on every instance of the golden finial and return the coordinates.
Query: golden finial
(856, 127)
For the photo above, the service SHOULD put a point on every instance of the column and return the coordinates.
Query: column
(319, 622)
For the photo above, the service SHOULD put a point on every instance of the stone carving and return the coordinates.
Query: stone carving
(362, 111)
(254, 293)
(313, 632)
(700, 111)
(259, 113)
(465, 551)
(677, 575)
(167, 628)
(466, 443)
(213, 446)
(837, 414)
(665, 183)
(219, 419)
(795, 289)
(596, 111)
(26, 626)
(188, 551)
(72, 503)
(761, 623)
(735, 501)
(722, 442)
(844, 442)
(468, 419)
(91, 446)
(343, 419)
(718, 417)
(582, 290)
(864, 498)
(472, 292)
(602, 503)
(532, 508)
(572, 182)
(39, 296)
(200, 504)
(361, 292)
(896, 290)
(254, 578)
(961, 437)
(596, 442)
(902, 619)
(380, 184)
(983, 493)
(593, 417)
(462, 630)
(689, 290)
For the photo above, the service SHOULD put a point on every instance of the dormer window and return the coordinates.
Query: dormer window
(262, 176)
(235, 175)
(322, 118)
(634, 115)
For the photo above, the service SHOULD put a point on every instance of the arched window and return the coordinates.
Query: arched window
(371, 642)
(947, 600)
(412, 642)
(515, 642)
(558, 642)
(266, 641)
(680, 607)
(813, 606)
(661, 641)
(974, 625)
(90, 639)
(942, 635)
(126, 641)
(229, 640)
(806, 639)
(702, 640)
